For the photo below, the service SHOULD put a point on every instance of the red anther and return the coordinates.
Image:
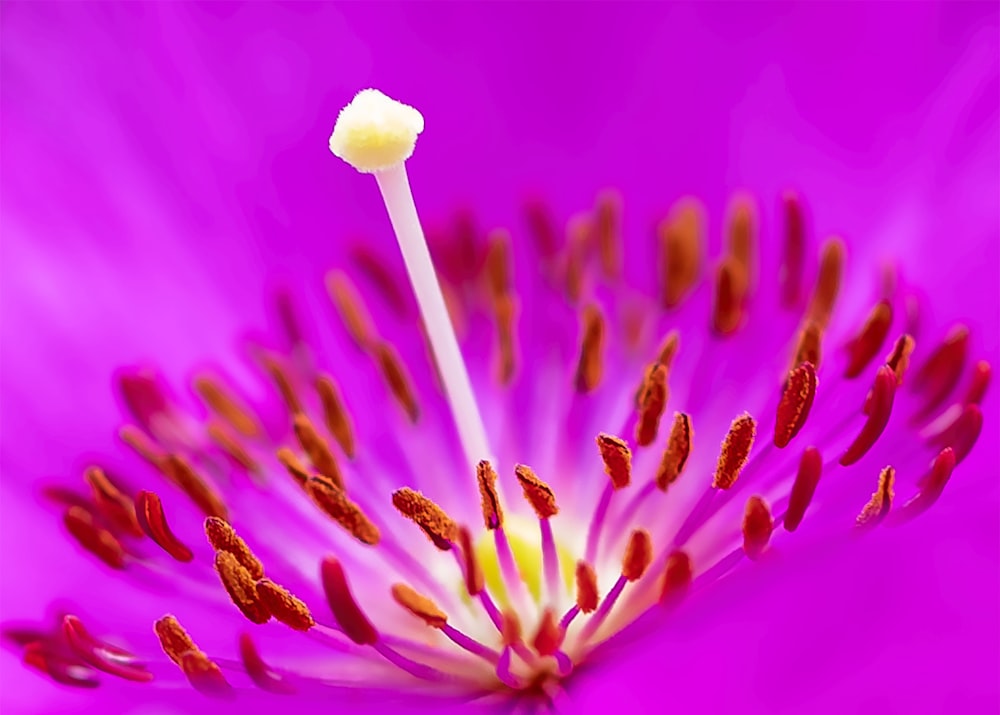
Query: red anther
(101, 655)
(939, 375)
(346, 610)
(961, 435)
(259, 672)
(549, 637)
(757, 527)
(878, 409)
(931, 486)
(143, 397)
(542, 227)
(810, 468)
(868, 342)
(796, 401)
(638, 555)
(587, 595)
(64, 670)
(676, 578)
(94, 538)
(204, 675)
(149, 511)
(115, 506)
(980, 382)
(617, 458)
(793, 258)
(735, 451)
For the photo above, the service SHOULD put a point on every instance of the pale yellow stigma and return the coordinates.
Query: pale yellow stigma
(375, 132)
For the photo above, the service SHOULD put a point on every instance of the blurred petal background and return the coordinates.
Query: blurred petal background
(164, 166)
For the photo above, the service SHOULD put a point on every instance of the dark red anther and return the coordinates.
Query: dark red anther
(346, 610)
(149, 511)
(62, 669)
(810, 468)
(288, 319)
(793, 259)
(103, 656)
(143, 397)
(939, 375)
(259, 672)
(549, 637)
(94, 537)
(542, 227)
(116, 508)
(758, 525)
(931, 486)
(980, 383)
(869, 341)
(961, 435)
(878, 407)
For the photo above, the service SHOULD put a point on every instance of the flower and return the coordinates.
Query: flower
(953, 175)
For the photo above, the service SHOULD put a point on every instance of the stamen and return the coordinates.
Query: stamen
(735, 451)
(591, 364)
(498, 264)
(869, 340)
(676, 454)
(757, 527)
(511, 630)
(831, 268)
(419, 605)
(878, 506)
(174, 640)
(295, 467)
(961, 435)
(223, 537)
(240, 586)
(796, 401)
(471, 570)
(346, 611)
(284, 606)
(231, 446)
(808, 346)
(351, 309)
(586, 587)
(262, 676)
(505, 309)
(652, 402)
(94, 538)
(143, 445)
(549, 637)
(63, 669)
(577, 250)
(149, 511)
(638, 555)
(276, 371)
(680, 244)
(103, 656)
(617, 459)
(741, 237)
(668, 349)
(177, 469)
(806, 480)
(118, 508)
(492, 512)
(541, 226)
(793, 258)
(677, 578)
(423, 512)
(607, 218)
(204, 675)
(730, 286)
(143, 397)
(335, 415)
(335, 503)
(218, 399)
(939, 375)
(899, 358)
(318, 450)
(537, 492)
(396, 376)
(931, 486)
(980, 383)
(878, 409)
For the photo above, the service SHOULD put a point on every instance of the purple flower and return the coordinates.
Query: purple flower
(170, 214)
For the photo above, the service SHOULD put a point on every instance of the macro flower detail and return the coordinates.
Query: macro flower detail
(675, 437)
